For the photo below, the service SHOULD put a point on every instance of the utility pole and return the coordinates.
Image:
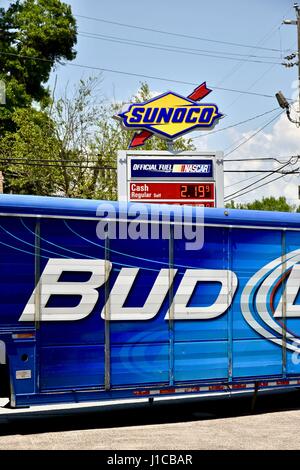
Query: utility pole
(1, 182)
(296, 6)
(280, 97)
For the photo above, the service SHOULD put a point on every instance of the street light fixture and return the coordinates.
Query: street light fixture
(282, 101)
(284, 104)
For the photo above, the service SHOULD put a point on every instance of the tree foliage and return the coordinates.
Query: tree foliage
(266, 204)
(34, 141)
(34, 36)
(70, 148)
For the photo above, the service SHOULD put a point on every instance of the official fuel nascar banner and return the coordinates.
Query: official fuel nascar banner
(193, 168)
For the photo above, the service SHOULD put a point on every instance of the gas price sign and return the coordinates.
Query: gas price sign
(176, 192)
(164, 177)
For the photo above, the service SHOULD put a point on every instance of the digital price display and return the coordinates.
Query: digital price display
(178, 192)
(197, 191)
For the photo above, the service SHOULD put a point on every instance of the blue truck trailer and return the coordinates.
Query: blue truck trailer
(139, 311)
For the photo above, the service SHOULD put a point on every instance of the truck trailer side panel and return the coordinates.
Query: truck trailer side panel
(80, 314)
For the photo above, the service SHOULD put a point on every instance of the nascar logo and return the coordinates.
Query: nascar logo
(173, 168)
(191, 169)
(170, 115)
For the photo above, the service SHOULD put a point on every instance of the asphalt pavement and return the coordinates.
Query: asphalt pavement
(187, 424)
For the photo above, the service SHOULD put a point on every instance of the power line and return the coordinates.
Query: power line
(246, 159)
(268, 182)
(252, 84)
(58, 161)
(260, 179)
(241, 192)
(169, 33)
(236, 124)
(86, 165)
(121, 72)
(254, 171)
(266, 37)
(257, 171)
(241, 181)
(236, 99)
(253, 135)
(42, 165)
(264, 177)
(238, 66)
(54, 165)
(177, 50)
(278, 170)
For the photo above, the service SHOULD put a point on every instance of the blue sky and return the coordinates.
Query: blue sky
(256, 23)
(252, 23)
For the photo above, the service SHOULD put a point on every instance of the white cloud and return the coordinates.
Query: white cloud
(281, 141)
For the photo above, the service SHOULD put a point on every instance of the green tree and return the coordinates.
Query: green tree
(265, 204)
(71, 147)
(75, 116)
(34, 36)
(50, 152)
(22, 154)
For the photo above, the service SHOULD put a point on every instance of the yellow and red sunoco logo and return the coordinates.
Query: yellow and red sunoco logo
(170, 115)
